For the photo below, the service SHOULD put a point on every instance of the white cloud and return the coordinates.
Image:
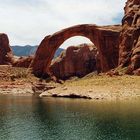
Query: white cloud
(29, 21)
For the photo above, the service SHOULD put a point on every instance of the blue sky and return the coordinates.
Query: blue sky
(29, 21)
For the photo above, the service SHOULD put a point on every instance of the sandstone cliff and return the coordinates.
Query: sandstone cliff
(6, 56)
(75, 61)
(129, 48)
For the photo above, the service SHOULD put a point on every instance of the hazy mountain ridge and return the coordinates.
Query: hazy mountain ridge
(28, 50)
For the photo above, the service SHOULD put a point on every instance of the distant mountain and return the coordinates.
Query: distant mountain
(29, 50)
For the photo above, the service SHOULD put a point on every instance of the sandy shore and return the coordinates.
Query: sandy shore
(99, 88)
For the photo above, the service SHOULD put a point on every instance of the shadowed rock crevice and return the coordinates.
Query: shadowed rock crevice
(71, 96)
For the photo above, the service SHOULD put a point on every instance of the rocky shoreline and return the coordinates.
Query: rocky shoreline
(21, 90)
(95, 88)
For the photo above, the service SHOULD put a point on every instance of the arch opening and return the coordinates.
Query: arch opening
(75, 40)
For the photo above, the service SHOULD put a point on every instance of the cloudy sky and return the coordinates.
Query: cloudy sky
(29, 21)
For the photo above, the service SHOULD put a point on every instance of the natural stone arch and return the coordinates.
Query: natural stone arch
(105, 38)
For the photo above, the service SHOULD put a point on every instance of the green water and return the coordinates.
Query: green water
(28, 118)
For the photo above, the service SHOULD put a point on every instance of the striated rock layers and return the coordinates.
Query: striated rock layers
(75, 61)
(129, 48)
(105, 38)
(6, 56)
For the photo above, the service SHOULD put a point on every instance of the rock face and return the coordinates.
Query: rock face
(75, 61)
(129, 48)
(23, 62)
(105, 38)
(6, 56)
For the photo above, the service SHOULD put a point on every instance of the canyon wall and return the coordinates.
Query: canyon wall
(129, 48)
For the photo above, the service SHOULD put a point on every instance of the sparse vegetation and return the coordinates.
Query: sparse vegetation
(102, 87)
(9, 73)
(104, 80)
(121, 71)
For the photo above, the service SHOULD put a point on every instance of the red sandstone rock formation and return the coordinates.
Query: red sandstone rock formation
(75, 61)
(129, 49)
(23, 62)
(105, 38)
(6, 56)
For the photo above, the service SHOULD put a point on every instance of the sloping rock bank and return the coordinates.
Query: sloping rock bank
(98, 88)
(75, 61)
(17, 90)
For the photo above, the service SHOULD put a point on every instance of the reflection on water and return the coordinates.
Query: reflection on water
(28, 118)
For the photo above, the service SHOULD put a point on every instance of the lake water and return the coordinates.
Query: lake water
(30, 118)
